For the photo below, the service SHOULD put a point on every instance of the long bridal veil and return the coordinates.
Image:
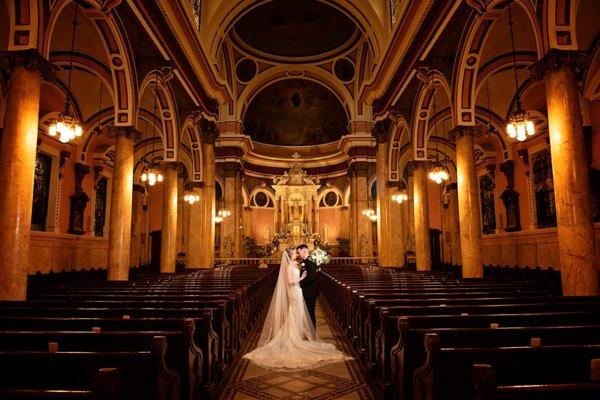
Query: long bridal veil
(280, 307)
(288, 339)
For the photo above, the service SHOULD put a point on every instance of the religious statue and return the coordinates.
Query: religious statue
(227, 247)
(362, 245)
(267, 232)
(325, 233)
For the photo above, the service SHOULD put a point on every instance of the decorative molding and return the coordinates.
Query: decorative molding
(65, 156)
(29, 59)
(126, 131)
(556, 59)
(462, 130)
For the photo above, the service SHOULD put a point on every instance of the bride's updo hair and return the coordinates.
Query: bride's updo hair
(290, 251)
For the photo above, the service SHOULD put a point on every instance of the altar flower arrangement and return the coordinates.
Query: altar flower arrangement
(319, 256)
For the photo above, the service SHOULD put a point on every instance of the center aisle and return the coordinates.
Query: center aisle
(343, 380)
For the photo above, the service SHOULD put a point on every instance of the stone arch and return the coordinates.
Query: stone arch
(474, 40)
(157, 81)
(327, 189)
(190, 129)
(113, 38)
(400, 129)
(261, 189)
(422, 113)
(25, 27)
(560, 24)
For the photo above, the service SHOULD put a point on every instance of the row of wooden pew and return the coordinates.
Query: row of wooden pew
(160, 336)
(431, 336)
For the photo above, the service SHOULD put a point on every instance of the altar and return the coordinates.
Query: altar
(295, 207)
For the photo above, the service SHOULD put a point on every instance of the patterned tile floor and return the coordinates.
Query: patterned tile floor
(343, 380)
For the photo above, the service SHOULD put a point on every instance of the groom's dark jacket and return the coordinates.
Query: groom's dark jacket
(309, 284)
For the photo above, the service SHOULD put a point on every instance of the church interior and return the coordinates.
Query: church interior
(157, 156)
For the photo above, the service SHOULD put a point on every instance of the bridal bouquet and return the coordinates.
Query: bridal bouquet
(319, 256)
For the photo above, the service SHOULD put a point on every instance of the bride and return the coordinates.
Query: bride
(288, 339)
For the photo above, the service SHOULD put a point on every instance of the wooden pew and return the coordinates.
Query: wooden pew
(487, 388)
(449, 370)
(142, 374)
(103, 387)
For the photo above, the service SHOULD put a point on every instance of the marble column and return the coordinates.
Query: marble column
(469, 205)
(195, 237)
(209, 134)
(454, 223)
(145, 240)
(576, 244)
(410, 210)
(354, 214)
(384, 227)
(362, 227)
(168, 239)
(136, 226)
(397, 228)
(232, 193)
(17, 167)
(119, 236)
(238, 227)
(421, 211)
(181, 212)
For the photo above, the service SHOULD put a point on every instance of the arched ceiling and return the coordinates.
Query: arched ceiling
(294, 28)
(295, 112)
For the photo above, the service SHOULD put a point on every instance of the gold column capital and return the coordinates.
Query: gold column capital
(209, 130)
(555, 59)
(412, 165)
(463, 130)
(128, 132)
(29, 59)
(381, 130)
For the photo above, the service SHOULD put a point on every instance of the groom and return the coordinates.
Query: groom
(308, 284)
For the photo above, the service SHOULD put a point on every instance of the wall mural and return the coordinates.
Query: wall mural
(488, 208)
(295, 112)
(543, 184)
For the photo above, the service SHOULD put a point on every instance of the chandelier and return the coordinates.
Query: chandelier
(222, 213)
(66, 126)
(438, 173)
(151, 175)
(191, 197)
(520, 125)
(369, 212)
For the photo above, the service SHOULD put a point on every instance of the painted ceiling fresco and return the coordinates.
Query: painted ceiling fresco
(295, 28)
(295, 112)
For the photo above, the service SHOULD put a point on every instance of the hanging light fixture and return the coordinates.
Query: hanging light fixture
(191, 197)
(151, 173)
(438, 172)
(369, 212)
(401, 194)
(520, 125)
(222, 213)
(66, 126)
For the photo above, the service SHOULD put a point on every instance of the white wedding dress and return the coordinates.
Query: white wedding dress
(288, 339)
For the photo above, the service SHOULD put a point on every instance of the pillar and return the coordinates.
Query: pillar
(17, 167)
(119, 236)
(410, 210)
(195, 236)
(145, 240)
(232, 193)
(362, 231)
(384, 227)
(168, 242)
(181, 212)
(454, 225)
(209, 134)
(469, 206)
(575, 229)
(421, 211)
(136, 226)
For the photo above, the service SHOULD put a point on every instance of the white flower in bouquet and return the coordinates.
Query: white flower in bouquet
(319, 256)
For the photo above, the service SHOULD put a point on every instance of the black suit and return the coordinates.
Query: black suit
(309, 288)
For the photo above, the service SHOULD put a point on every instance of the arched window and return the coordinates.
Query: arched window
(488, 207)
(41, 191)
